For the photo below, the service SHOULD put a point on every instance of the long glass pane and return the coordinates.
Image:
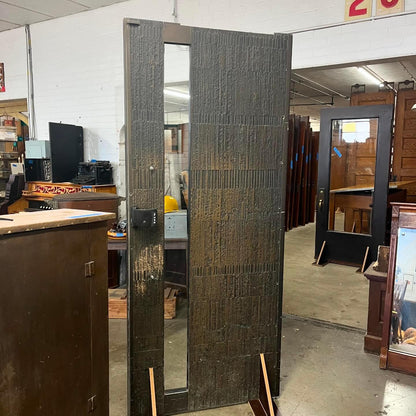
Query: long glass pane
(353, 167)
(176, 107)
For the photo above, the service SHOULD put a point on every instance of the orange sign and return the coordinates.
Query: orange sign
(389, 6)
(358, 9)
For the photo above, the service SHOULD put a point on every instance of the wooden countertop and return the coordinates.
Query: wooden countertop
(358, 188)
(40, 220)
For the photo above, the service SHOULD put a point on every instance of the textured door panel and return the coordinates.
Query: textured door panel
(239, 84)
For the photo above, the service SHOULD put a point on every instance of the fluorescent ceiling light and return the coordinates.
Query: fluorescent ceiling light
(177, 94)
(370, 76)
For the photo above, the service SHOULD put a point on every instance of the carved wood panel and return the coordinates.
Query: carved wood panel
(404, 146)
(239, 121)
(239, 89)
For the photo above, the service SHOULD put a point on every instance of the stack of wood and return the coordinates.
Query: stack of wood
(302, 172)
(170, 303)
(117, 303)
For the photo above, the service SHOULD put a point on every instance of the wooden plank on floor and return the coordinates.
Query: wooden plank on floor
(117, 304)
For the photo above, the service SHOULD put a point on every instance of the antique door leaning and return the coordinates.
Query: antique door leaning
(354, 160)
(239, 84)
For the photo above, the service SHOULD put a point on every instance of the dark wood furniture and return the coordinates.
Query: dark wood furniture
(376, 296)
(38, 193)
(372, 98)
(53, 313)
(398, 345)
(301, 173)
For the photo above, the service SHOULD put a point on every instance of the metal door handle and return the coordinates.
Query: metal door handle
(321, 199)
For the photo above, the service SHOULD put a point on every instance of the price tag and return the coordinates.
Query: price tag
(389, 7)
(358, 9)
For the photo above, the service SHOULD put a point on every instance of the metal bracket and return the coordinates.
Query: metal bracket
(91, 404)
(90, 270)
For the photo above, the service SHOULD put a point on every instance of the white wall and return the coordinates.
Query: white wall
(317, 46)
(78, 60)
(360, 42)
(13, 55)
(78, 77)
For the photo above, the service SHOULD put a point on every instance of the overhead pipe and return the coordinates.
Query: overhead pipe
(313, 99)
(175, 11)
(310, 87)
(30, 89)
(320, 85)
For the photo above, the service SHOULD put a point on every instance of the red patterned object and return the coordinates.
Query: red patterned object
(46, 189)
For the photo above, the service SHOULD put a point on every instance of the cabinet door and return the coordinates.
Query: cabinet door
(45, 323)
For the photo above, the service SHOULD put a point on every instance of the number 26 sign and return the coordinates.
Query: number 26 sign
(361, 9)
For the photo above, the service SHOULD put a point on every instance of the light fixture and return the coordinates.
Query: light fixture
(371, 75)
(413, 107)
(177, 94)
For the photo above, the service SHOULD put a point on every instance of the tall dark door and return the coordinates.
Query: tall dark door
(353, 187)
(239, 102)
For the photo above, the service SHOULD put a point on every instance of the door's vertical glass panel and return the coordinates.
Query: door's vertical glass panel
(352, 173)
(177, 138)
(403, 314)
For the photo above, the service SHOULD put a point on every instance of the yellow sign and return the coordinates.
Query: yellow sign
(389, 7)
(349, 128)
(358, 9)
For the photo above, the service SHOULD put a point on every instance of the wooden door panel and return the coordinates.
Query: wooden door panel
(236, 211)
(145, 190)
(404, 146)
(372, 98)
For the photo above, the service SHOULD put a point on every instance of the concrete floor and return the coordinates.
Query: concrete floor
(324, 370)
(333, 293)
(176, 353)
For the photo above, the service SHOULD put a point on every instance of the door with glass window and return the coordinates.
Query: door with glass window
(206, 126)
(353, 182)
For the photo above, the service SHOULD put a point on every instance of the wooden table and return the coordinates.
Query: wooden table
(356, 202)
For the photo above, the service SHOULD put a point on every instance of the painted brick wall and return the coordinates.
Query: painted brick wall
(78, 60)
(13, 54)
(79, 79)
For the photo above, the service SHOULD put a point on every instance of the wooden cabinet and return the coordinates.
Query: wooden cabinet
(376, 297)
(53, 313)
